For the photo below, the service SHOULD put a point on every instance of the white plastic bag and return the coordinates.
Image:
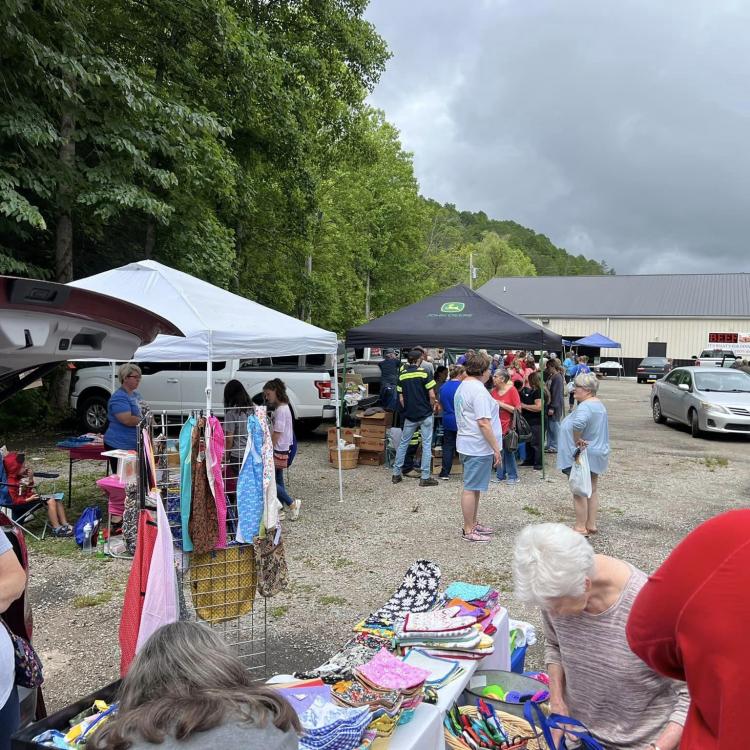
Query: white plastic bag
(580, 476)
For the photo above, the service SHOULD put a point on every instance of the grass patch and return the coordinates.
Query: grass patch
(53, 546)
(332, 600)
(715, 462)
(341, 562)
(532, 511)
(277, 612)
(91, 600)
(615, 511)
(303, 588)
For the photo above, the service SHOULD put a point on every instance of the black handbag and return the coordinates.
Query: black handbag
(519, 432)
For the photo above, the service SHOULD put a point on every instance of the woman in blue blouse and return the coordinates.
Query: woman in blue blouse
(586, 428)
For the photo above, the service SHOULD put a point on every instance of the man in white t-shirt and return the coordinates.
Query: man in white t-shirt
(477, 441)
(12, 584)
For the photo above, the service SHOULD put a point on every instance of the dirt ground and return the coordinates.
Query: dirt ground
(346, 558)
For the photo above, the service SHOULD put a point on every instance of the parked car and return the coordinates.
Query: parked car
(715, 358)
(652, 368)
(708, 399)
(41, 324)
(179, 387)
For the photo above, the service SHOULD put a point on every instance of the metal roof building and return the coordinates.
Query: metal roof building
(677, 314)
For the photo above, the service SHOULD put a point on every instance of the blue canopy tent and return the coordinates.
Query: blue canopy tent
(599, 341)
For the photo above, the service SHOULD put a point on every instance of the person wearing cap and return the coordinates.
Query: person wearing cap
(389, 368)
(416, 394)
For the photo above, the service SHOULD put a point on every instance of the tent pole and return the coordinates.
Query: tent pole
(209, 373)
(338, 420)
(542, 436)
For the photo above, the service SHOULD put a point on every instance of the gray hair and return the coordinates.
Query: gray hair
(127, 369)
(550, 560)
(588, 381)
(503, 373)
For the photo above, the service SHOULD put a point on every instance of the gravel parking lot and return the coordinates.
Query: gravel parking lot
(345, 559)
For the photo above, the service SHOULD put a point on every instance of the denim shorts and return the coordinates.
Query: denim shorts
(477, 472)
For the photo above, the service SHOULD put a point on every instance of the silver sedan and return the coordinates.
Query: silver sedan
(707, 399)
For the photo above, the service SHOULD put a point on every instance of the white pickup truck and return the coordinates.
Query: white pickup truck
(178, 387)
(715, 358)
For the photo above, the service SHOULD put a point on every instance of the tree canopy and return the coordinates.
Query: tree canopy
(232, 140)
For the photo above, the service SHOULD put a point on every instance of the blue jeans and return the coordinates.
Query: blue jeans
(553, 427)
(406, 435)
(10, 718)
(281, 492)
(509, 469)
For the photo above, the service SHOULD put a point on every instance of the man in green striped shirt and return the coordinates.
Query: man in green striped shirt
(416, 393)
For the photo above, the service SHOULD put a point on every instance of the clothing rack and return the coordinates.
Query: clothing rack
(216, 588)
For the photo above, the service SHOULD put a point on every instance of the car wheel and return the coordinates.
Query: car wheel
(659, 418)
(695, 428)
(639, 381)
(305, 427)
(93, 412)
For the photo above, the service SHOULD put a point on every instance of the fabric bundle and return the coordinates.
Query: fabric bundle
(357, 651)
(330, 727)
(441, 671)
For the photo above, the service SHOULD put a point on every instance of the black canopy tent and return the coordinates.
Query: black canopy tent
(456, 317)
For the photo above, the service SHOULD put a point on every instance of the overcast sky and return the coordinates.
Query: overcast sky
(620, 130)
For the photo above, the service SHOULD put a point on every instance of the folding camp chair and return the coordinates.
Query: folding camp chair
(20, 514)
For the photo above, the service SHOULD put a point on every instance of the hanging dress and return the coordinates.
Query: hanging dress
(203, 524)
(216, 446)
(250, 492)
(132, 608)
(160, 601)
(271, 501)
(186, 481)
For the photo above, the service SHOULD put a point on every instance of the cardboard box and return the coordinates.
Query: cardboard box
(371, 458)
(368, 431)
(371, 444)
(437, 464)
(346, 432)
(383, 419)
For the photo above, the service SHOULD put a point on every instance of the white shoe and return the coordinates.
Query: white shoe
(294, 510)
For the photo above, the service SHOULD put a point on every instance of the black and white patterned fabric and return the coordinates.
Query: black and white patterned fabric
(418, 592)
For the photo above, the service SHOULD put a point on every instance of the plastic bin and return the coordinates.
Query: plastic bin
(24, 738)
(507, 680)
(518, 660)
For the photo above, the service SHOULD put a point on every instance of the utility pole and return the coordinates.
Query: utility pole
(308, 268)
(471, 270)
(367, 297)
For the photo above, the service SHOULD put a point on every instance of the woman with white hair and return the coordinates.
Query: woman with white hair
(594, 676)
(585, 429)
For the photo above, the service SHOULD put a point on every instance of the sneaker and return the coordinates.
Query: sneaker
(396, 478)
(294, 509)
(428, 482)
(410, 473)
(474, 537)
(495, 480)
(282, 515)
(445, 479)
(486, 530)
(513, 481)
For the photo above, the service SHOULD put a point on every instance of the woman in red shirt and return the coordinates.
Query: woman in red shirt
(690, 623)
(506, 394)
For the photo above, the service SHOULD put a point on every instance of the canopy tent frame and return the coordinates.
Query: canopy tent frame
(599, 341)
(214, 322)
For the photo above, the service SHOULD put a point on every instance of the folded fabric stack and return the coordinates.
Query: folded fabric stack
(328, 726)
(418, 592)
(358, 650)
(445, 633)
(384, 675)
(442, 671)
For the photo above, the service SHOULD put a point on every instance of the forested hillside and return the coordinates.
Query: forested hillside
(232, 140)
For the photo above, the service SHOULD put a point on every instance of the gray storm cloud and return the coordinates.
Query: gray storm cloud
(619, 130)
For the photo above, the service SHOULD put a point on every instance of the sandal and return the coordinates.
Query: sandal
(474, 536)
(480, 529)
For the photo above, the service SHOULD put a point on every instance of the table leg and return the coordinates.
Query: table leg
(70, 481)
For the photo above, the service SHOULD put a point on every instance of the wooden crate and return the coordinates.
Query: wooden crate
(371, 458)
(349, 459)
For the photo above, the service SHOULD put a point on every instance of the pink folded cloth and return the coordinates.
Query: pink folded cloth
(387, 671)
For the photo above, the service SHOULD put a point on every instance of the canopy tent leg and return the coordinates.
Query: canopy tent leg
(338, 421)
(542, 439)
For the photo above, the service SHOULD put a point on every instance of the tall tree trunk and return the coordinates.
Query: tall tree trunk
(150, 242)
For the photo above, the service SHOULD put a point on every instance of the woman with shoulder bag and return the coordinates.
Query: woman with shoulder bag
(509, 401)
(531, 407)
(274, 392)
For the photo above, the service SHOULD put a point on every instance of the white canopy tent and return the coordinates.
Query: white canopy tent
(217, 324)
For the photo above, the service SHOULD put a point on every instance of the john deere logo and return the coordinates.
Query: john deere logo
(452, 307)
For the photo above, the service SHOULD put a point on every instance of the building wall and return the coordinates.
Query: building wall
(685, 337)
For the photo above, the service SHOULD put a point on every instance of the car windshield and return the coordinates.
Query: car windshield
(654, 361)
(716, 353)
(723, 382)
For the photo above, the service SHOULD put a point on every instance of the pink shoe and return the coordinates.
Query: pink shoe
(480, 529)
(474, 536)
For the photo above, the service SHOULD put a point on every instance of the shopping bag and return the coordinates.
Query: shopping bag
(270, 564)
(580, 476)
(533, 713)
(522, 427)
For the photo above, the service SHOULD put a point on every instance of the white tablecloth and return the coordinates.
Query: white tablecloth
(425, 730)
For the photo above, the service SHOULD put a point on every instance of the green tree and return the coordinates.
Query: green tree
(495, 256)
